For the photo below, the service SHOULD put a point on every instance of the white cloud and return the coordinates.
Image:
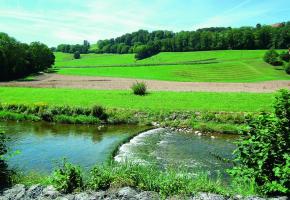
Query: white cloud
(95, 20)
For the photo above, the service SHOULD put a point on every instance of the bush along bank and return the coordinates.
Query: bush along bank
(188, 121)
(131, 181)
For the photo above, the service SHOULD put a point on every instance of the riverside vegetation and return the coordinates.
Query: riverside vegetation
(224, 122)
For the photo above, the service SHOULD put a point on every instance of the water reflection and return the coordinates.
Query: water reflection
(42, 144)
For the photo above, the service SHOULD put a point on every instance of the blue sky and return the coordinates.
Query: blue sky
(71, 21)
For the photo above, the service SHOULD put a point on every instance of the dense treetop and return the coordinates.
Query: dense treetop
(67, 48)
(215, 38)
(19, 59)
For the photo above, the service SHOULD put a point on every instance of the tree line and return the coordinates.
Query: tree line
(19, 59)
(68, 48)
(215, 38)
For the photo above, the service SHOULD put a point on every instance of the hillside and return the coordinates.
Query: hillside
(202, 66)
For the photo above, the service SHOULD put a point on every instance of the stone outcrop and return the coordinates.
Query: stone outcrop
(38, 192)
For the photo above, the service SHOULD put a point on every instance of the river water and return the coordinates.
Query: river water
(42, 145)
(190, 152)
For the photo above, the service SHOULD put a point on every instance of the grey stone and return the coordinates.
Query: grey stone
(238, 197)
(208, 196)
(147, 195)
(99, 195)
(127, 192)
(3, 198)
(82, 196)
(15, 193)
(280, 198)
(176, 197)
(254, 198)
(50, 192)
(34, 191)
(66, 197)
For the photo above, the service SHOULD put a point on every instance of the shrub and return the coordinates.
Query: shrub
(67, 178)
(100, 178)
(146, 51)
(282, 111)
(263, 153)
(99, 112)
(77, 55)
(287, 69)
(139, 88)
(285, 56)
(272, 57)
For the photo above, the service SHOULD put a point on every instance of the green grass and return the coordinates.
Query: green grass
(207, 66)
(88, 60)
(155, 101)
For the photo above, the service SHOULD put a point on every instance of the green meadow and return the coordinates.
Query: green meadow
(155, 101)
(202, 66)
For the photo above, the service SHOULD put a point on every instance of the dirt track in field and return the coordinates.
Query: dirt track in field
(109, 83)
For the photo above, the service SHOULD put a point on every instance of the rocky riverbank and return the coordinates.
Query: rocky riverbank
(38, 192)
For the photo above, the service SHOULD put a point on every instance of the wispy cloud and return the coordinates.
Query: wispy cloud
(228, 17)
(71, 21)
(94, 21)
(248, 10)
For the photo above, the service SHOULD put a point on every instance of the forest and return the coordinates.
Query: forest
(219, 38)
(18, 59)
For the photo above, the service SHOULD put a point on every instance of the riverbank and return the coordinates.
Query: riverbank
(185, 121)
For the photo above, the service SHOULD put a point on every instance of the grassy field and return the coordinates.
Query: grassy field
(207, 66)
(155, 101)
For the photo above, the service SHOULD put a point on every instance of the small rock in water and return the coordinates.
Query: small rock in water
(212, 137)
(154, 123)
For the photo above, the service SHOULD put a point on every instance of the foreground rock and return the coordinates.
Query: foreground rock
(38, 192)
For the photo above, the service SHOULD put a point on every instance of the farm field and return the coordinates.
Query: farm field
(203, 66)
(155, 101)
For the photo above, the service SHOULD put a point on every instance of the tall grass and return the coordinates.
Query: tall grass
(222, 122)
(139, 88)
(62, 114)
(170, 182)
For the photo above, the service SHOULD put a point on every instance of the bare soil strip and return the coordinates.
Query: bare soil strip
(109, 83)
